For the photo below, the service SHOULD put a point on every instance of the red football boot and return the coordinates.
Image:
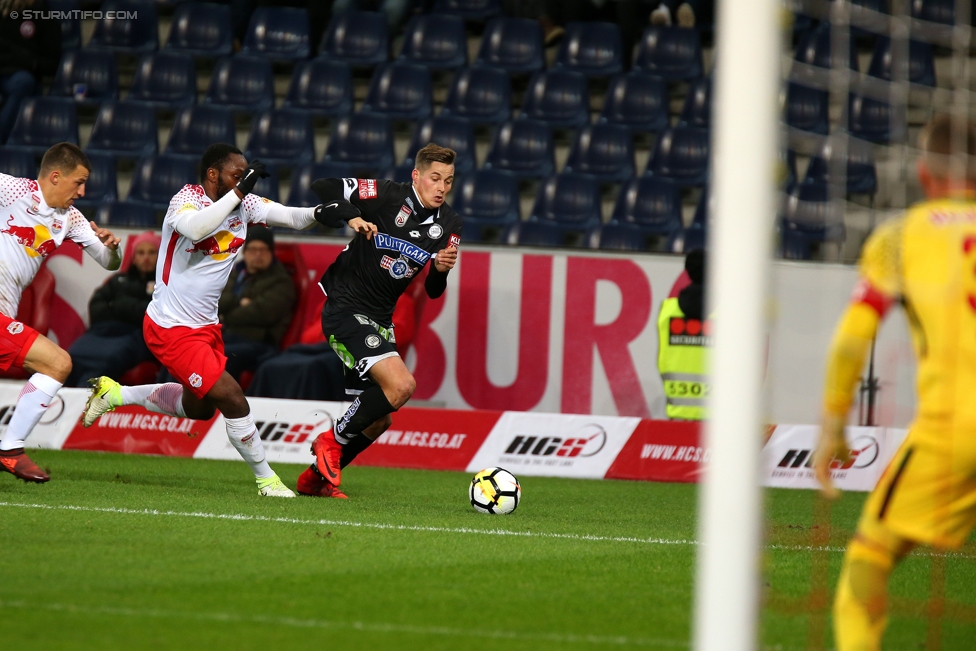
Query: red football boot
(20, 466)
(328, 455)
(312, 484)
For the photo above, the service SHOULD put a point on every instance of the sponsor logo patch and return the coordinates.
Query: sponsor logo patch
(435, 231)
(455, 241)
(362, 319)
(15, 327)
(235, 223)
(415, 234)
(195, 380)
(367, 188)
(57, 225)
(689, 332)
(403, 216)
(403, 247)
(373, 341)
(587, 443)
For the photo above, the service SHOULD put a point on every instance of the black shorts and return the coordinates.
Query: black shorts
(359, 342)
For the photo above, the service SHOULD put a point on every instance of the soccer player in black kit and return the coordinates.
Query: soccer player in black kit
(399, 228)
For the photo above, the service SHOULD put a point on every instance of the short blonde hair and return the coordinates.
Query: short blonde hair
(939, 150)
(433, 154)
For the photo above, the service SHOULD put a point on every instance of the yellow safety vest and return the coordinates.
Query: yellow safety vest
(681, 360)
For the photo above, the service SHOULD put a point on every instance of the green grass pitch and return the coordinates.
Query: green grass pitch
(131, 552)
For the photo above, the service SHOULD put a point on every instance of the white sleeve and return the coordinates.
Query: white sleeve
(13, 188)
(288, 217)
(197, 224)
(80, 231)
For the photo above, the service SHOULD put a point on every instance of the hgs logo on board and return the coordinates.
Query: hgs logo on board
(302, 432)
(586, 442)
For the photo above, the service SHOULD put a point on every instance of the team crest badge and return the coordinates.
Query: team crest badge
(435, 231)
(403, 216)
(235, 223)
(373, 341)
(195, 380)
(57, 225)
(15, 327)
(399, 268)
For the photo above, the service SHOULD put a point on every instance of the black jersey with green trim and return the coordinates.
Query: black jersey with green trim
(369, 276)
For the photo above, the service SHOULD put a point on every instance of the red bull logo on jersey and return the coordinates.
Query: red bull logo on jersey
(235, 223)
(36, 240)
(218, 246)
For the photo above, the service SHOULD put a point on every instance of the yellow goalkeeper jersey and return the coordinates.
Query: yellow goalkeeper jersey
(927, 260)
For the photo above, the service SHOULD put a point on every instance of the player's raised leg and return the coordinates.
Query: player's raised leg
(50, 366)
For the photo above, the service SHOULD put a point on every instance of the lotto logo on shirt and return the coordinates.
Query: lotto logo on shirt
(367, 188)
(218, 246)
(36, 240)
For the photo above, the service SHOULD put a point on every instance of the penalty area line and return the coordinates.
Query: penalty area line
(364, 627)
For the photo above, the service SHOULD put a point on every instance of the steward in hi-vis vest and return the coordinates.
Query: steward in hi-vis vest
(683, 337)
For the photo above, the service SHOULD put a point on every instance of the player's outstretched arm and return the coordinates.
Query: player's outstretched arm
(436, 282)
(99, 243)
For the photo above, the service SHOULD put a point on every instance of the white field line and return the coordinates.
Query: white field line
(365, 627)
(243, 517)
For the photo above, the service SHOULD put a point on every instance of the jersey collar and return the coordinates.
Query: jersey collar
(431, 219)
(42, 207)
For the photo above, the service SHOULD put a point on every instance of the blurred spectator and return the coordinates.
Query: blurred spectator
(256, 305)
(114, 343)
(28, 50)
(396, 11)
(311, 370)
(686, 13)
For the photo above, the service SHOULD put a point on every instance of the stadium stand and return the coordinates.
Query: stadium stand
(196, 127)
(482, 95)
(300, 192)
(127, 35)
(593, 49)
(814, 49)
(514, 44)
(523, 148)
(809, 218)
(321, 87)
(681, 154)
(653, 204)
(70, 23)
(603, 151)
(697, 111)
(638, 101)
(446, 131)
(124, 130)
(620, 237)
(360, 38)
(559, 97)
(201, 29)
(157, 178)
(543, 234)
(438, 41)
(568, 199)
(861, 174)
(672, 53)
(88, 76)
(279, 33)
(870, 119)
(22, 164)
(42, 122)
(488, 202)
(921, 62)
(807, 108)
(400, 91)
(363, 141)
(936, 11)
(268, 188)
(695, 236)
(117, 213)
(281, 137)
(102, 185)
(242, 83)
(472, 10)
(165, 80)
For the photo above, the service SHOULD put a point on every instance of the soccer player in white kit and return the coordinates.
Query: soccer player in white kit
(204, 227)
(35, 218)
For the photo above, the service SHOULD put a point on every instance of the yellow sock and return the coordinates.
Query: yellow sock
(861, 606)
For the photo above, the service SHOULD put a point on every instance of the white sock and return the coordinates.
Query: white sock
(160, 398)
(244, 436)
(34, 399)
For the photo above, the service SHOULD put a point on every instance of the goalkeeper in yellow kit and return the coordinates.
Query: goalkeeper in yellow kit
(926, 261)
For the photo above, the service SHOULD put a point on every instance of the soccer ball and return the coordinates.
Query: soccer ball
(495, 491)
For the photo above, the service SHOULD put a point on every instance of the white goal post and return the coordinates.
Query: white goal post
(745, 134)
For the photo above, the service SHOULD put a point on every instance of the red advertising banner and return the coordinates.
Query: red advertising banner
(661, 450)
(133, 430)
(435, 439)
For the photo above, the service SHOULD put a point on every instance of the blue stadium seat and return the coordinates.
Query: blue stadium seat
(42, 122)
(514, 44)
(363, 141)
(268, 187)
(814, 49)
(592, 48)
(788, 175)
(621, 237)
(936, 11)
(402, 173)
(870, 119)
(455, 133)
(102, 185)
(124, 129)
(544, 234)
(321, 87)
(360, 38)
(281, 137)
(523, 148)
(197, 127)
(118, 213)
(487, 201)
(604, 151)
(469, 9)
(809, 217)
(157, 179)
(88, 76)
(165, 80)
(279, 33)
(568, 199)
(672, 53)
(638, 101)
(482, 95)
(300, 192)
(652, 203)
(921, 62)
(695, 236)
(134, 35)
(697, 111)
(681, 154)
(400, 90)
(437, 41)
(807, 108)
(242, 83)
(21, 164)
(862, 177)
(70, 27)
(201, 29)
(559, 97)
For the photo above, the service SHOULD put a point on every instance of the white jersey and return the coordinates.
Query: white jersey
(191, 275)
(30, 230)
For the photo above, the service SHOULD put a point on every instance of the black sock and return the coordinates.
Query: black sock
(369, 407)
(352, 449)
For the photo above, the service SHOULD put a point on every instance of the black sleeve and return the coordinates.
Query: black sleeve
(436, 281)
(335, 210)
